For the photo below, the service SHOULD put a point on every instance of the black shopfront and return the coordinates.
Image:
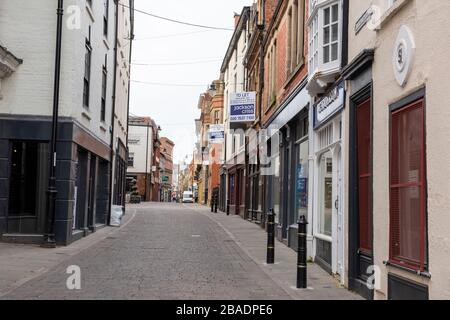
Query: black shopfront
(83, 171)
(286, 179)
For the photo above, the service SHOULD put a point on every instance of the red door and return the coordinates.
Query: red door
(364, 144)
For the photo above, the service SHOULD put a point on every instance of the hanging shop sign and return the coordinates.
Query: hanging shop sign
(243, 107)
(329, 105)
(216, 133)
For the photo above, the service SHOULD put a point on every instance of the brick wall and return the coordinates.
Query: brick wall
(285, 83)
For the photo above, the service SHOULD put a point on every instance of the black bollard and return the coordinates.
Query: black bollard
(301, 257)
(271, 237)
(216, 203)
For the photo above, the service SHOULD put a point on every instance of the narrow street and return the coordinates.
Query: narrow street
(173, 251)
(168, 251)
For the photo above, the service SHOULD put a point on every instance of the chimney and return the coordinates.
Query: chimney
(236, 19)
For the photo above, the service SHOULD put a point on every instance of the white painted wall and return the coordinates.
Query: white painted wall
(28, 28)
(235, 77)
(140, 146)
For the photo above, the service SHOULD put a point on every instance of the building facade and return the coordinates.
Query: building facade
(84, 141)
(398, 171)
(234, 75)
(285, 117)
(166, 171)
(119, 135)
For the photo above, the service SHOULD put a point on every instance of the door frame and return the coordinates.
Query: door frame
(355, 283)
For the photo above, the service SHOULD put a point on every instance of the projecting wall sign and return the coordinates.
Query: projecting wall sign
(403, 57)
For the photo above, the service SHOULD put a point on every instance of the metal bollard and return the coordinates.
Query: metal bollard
(302, 282)
(271, 237)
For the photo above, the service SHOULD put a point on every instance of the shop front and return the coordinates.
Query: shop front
(327, 221)
(287, 179)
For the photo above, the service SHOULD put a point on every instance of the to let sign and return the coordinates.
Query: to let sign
(243, 107)
(216, 133)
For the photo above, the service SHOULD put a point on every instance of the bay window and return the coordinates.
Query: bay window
(325, 36)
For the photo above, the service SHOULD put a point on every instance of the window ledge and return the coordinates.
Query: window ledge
(90, 13)
(424, 274)
(386, 17)
(86, 115)
(293, 73)
(105, 41)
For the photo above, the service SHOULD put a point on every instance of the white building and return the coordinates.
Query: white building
(125, 34)
(86, 94)
(234, 74)
(141, 154)
(327, 145)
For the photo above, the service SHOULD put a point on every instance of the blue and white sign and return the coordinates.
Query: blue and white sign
(329, 105)
(243, 107)
(216, 133)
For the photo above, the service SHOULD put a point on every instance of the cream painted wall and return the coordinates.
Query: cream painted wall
(28, 28)
(428, 21)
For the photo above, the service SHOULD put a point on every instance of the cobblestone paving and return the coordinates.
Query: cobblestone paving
(169, 251)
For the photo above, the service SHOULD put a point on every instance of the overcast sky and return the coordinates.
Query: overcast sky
(160, 44)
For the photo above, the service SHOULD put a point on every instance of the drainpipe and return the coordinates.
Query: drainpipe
(111, 169)
(146, 163)
(49, 237)
(129, 80)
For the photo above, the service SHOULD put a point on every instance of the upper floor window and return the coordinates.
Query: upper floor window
(87, 74)
(105, 17)
(330, 31)
(272, 74)
(325, 36)
(216, 117)
(295, 35)
(131, 159)
(104, 90)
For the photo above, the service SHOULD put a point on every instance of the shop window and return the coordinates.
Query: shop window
(28, 180)
(325, 193)
(302, 174)
(408, 228)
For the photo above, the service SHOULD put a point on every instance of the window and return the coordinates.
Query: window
(105, 17)
(295, 36)
(408, 242)
(131, 159)
(314, 45)
(104, 89)
(29, 174)
(272, 75)
(330, 33)
(325, 37)
(87, 73)
(216, 117)
(325, 193)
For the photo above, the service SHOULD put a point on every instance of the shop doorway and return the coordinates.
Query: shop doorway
(360, 201)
